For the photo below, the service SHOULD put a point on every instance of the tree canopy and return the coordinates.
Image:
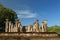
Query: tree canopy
(6, 13)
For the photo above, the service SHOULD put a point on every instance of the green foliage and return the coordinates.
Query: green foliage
(6, 13)
(54, 29)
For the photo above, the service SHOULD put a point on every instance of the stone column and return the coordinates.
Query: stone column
(28, 28)
(36, 26)
(44, 26)
(9, 26)
(19, 27)
(16, 25)
(6, 25)
(31, 28)
(12, 27)
(40, 29)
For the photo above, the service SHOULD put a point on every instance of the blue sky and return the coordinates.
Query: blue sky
(30, 10)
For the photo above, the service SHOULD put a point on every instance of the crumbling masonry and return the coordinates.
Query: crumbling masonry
(17, 27)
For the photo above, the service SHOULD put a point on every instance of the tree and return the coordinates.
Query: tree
(4, 14)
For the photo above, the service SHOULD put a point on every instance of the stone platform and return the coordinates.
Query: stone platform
(29, 36)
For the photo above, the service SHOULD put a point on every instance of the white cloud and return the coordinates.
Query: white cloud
(26, 14)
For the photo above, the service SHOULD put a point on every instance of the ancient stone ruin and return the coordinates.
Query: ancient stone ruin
(17, 27)
(30, 32)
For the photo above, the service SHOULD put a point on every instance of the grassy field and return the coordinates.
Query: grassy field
(54, 28)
